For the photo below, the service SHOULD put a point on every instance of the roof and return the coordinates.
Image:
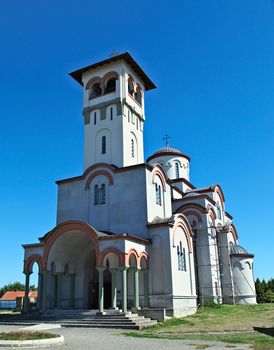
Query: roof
(12, 295)
(167, 151)
(238, 250)
(77, 74)
(162, 221)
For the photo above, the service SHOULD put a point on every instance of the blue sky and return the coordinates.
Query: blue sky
(213, 63)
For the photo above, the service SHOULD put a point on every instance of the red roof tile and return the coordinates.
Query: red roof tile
(11, 295)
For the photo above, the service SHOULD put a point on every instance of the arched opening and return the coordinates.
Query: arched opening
(130, 87)
(112, 282)
(177, 170)
(73, 282)
(110, 85)
(132, 148)
(34, 284)
(138, 96)
(131, 280)
(95, 90)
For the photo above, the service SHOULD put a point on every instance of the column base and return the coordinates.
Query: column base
(100, 313)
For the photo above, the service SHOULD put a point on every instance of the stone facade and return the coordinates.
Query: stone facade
(135, 234)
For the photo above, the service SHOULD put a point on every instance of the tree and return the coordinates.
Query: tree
(265, 290)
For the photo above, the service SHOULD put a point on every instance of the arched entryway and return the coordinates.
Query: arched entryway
(70, 261)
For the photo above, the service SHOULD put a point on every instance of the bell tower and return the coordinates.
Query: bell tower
(113, 110)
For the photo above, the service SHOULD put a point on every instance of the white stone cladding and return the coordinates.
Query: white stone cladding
(124, 126)
(142, 228)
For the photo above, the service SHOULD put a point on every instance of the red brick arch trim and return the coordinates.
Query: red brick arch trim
(108, 76)
(233, 231)
(93, 81)
(181, 222)
(28, 264)
(143, 255)
(212, 214)
(115, 251)
(128, 255)
(157, 171)
(219, 191)
(64, 228)
(98, 165)
(97, 173)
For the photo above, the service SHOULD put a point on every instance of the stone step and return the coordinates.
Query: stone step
(71, 318)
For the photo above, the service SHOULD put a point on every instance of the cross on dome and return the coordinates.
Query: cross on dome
(166, 138)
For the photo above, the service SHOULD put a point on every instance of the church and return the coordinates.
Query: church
(135, 234)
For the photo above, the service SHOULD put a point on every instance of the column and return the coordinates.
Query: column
(26, 296)
(40, 283)
(59, 289)
(44, 289)
(146, 301)
(124, 288)
(113, 288)
(72, 290)
(136, 287)
(101, 289)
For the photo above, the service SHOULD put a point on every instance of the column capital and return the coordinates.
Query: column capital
(100, 268)
(123, 268)
(135, 269)
(114, 269)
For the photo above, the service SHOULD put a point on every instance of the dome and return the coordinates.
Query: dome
(167, 151)
(237, 250)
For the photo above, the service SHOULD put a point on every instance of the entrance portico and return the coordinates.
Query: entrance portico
(81, 268)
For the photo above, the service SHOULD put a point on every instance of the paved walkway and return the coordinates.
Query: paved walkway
(106, 339)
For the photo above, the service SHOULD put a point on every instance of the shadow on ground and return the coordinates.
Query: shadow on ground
(264, 330)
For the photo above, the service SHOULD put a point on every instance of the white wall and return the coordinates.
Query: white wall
(169, 161)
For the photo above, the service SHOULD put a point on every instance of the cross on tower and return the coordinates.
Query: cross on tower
(114, 53)
(166, 138)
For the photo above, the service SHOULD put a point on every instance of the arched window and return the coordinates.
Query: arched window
(111, 113)
(103, 194)
(219, 212)
(95, 90)
(178, 257)
(132, 148)
(96, 195)
(159, 195)
(138, 96)
(111, 85)
(104, 144)
(177, 172)
(130, 87)
(184, 260)
(181, 252)
(137, 124)
(95, 118)
(158, 192)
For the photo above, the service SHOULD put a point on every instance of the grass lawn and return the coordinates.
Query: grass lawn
(252, 324)
(26, 335)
